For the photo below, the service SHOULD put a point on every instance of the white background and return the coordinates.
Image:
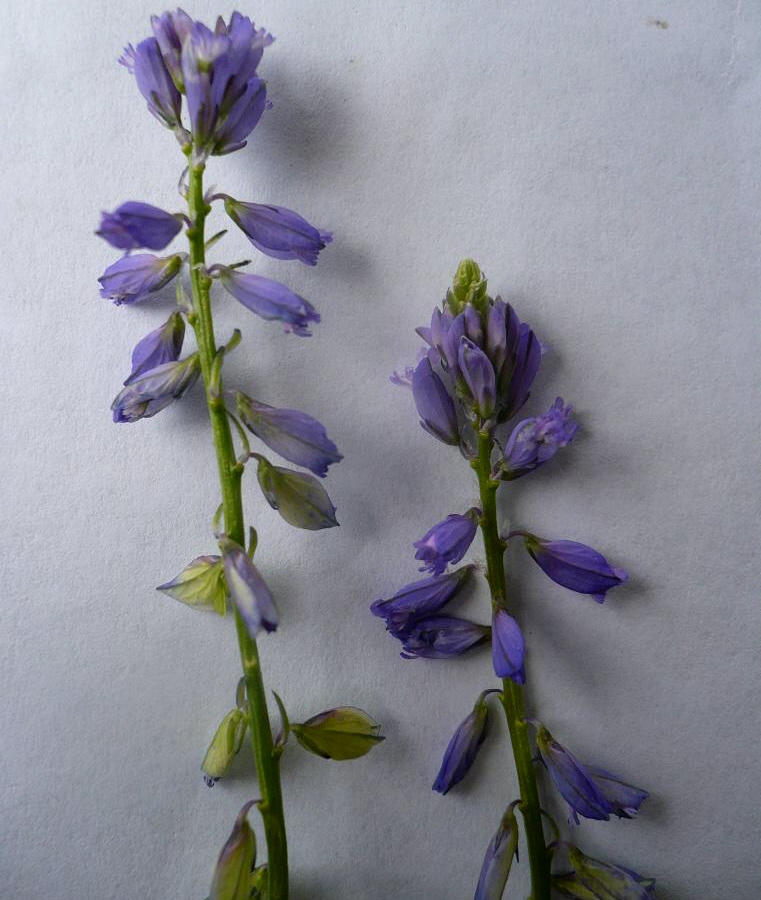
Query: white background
(603, 169)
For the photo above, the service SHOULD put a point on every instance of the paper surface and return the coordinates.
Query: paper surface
(602, 167)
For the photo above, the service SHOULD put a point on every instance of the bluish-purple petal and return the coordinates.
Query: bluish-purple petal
(160, 346)
(447, 542)
(270, 300)
(277, 231)
(419, 599)
(508, 647)
(463, 747)
(442, 637)
(575, 566)
(134, 225)
(434, 404)
(248, 589)
(133, 278)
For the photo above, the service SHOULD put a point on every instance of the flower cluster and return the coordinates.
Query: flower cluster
(471, 380)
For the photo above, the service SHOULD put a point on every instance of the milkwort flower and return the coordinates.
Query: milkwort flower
(591, 879)
(463, 746)
(160, 346)
(575, 566)
(270, 300)
(434, 404)
(589, 791)
(248, 589)
(502, 849)
(534, 441)
(418, 600)
(133, 278)
(134, 225)
(156, 389)
(441, 637)
(277, 231)
(508, 648)
(154, 82)
(293, 434)
(447, 542)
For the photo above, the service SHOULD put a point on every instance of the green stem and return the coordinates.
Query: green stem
(230, 473)
(512, 693)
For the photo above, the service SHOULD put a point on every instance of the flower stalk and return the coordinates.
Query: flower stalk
(230, 472)
(511, 697)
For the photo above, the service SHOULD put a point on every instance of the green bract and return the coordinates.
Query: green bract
(342, 733)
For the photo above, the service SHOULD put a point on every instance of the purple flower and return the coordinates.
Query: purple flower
(478, 373)
(154, 82)
(502, 849)
(418, 600)
(278, 232)
(294, 435)
(463, 746)
(519, 373)
(170, 30)
(447, 542)
(590, 879)
(134, 225)
(161, 346)
(575, 566)
(589, 791)
(441, 637)
(155, 389)
(444, 336)
(133, 278)
(299, 498)
(232, 133)
(507, 647)
(535, 441)
(270, 300)
(434, 404)
(248, 589)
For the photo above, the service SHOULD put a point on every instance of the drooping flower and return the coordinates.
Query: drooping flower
(535, 441)
(591, 879)
(160, 346)
(342, 733)
(434, 404)
(447, 542)
(508, 648)
(231, 134)
(589, 791)
(153, 80)
(270, 300)
(418, 600)
(277, 231)
(201, 584)
(478, 373)
(134, 225)
(233, 874)
(441, 637)
(224, 746)
(463, 746)
(248, 589)
(575, 566)
(299, 498)
(133, 278)
(294, 435)
(155, 389)
(502, 849)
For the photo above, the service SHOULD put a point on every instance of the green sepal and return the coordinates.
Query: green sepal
(299, 498)
(200, 584)
(285, 729)
(232, 876)
(342, 733)
(224, 746)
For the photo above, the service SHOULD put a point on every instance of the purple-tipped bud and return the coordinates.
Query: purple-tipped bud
(155, 389)
(442, 637)
(590, 879)
(575, 566)
(154, 81)
(478, 373)
(533, 442)
(294, 435)
(502, 849)
(434, 404)
(589, 791)
(463, 746)
(161, 346)
(420, 599)
(507, 647)
(133, 278)
(447, 542)
(277, 231)
(299, 498)
(248, 589)
(233, 874)
(134, 225)
(270, 300)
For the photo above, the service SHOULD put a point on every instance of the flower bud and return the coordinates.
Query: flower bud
(224, 746)
(418, 600)
(133, 278)
(156, 389)
(463, 747)
(508, 648)
(233, 874)
(479, 376)
(575, 566)
(248, 589)
(299, 498)
(442, 637)
(468, 286)
(447, 542)
(342, 733)
(270, 300)
(200, 584)
(160, 346)
(502, 849)
(434, 404)
(134, 225)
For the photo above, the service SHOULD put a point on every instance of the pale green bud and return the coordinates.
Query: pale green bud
(233, 876)
(224, 746)
(342, 733)
(468, 286)
(200, 584)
